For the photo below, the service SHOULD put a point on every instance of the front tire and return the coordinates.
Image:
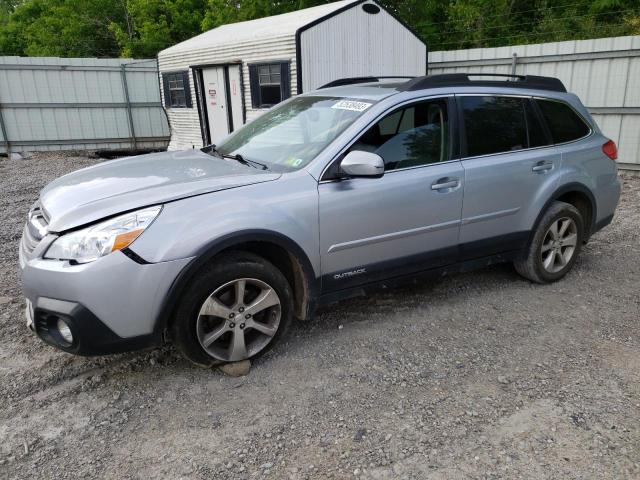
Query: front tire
(235, 309)
(555, 246)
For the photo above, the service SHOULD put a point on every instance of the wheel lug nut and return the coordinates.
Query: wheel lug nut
(232, 325)
(241, 326)
(247, 316)
(231, 315)
(241, 309)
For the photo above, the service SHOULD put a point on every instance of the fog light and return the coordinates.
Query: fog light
(64, 330)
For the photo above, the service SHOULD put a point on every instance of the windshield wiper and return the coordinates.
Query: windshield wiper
(239, 158)
(211, 150)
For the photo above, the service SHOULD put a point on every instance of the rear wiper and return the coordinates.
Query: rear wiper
(239, 158)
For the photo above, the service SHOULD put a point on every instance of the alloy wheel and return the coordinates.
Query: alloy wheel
(238, 319)
(559, 244)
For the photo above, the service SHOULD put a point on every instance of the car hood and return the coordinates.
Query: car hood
(121, 185)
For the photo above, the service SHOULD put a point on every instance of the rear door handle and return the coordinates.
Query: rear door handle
(542, 166)
(445, 183)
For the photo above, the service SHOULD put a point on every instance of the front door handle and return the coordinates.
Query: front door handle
(445, 184)
(542, 167)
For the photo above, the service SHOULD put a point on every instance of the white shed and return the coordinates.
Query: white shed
(217, 81)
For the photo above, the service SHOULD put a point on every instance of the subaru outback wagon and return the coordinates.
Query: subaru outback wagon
(325, 196)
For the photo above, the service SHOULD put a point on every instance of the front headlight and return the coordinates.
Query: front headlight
(89, 244)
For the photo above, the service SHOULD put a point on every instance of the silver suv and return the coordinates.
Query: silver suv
(325, 196)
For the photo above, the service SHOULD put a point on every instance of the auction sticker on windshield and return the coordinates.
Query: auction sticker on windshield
(352, 105)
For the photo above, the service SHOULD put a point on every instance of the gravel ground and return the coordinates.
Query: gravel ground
(481, 375)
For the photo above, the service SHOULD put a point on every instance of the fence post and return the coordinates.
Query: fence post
(4, 133)
(123, 74)
(514, 63)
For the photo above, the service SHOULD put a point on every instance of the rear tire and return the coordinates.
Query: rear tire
(234, 309)
(555, 246)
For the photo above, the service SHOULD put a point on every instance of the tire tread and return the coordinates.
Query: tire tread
(529, 267)
(180, 328)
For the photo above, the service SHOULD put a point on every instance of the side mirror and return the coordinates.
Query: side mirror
(362, 164)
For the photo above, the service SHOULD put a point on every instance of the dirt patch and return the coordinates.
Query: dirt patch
(481, 375)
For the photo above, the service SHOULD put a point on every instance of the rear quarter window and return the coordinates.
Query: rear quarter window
(565, 125)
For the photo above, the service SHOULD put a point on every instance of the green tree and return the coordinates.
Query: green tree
(220, 12)
(61, 28)
(141, 28)
(152, 25)
(479, 23)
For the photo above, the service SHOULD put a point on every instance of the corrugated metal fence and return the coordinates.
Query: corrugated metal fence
(86, 103)
(604, 73)
(80, 104)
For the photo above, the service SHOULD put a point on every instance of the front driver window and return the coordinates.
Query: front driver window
(409, 137)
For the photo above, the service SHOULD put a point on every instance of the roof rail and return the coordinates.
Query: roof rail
(353, 80)
(463, 80)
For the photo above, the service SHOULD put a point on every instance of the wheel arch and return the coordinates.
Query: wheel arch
(275, 247)
(578, 195)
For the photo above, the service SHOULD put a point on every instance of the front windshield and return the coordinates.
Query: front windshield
(290, 135)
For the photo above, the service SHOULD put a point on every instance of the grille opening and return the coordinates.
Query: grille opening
(35, 228)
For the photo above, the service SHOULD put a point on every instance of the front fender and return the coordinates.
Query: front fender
(287, 208)
(218, 245)
(284, 214)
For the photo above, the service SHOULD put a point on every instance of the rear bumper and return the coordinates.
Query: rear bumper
(608, 197)
(600, 224)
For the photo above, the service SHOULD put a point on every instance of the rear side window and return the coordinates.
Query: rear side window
(564, 124)
(537, 135)
(494, 124)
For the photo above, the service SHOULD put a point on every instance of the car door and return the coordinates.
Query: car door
(506, 164)
(405, 221)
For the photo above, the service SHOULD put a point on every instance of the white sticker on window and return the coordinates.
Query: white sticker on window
(352, 105)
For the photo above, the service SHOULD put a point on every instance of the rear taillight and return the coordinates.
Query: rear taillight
(610, 150)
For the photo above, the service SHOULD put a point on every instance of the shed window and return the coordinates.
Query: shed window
(270, 84)
(176, 90)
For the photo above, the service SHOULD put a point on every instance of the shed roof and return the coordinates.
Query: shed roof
(259, 29)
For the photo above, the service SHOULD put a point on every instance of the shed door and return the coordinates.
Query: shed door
(215, 95)
(222, 97)
(235, 96)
